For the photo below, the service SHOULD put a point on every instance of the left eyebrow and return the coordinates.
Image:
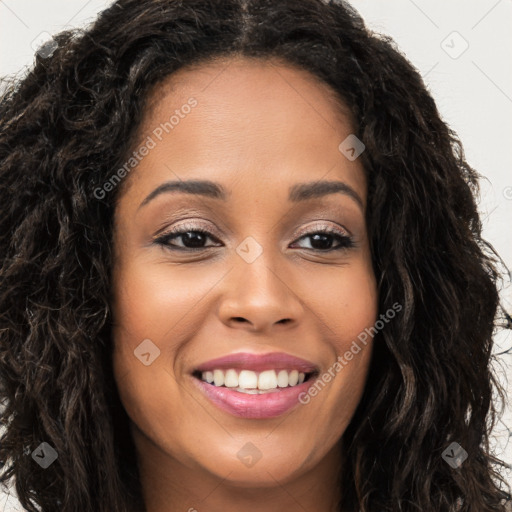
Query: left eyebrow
(315, 189)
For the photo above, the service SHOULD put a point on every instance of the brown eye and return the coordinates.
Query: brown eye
(192, 238)
(322, 240)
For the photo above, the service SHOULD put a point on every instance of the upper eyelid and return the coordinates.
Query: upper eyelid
(326, 226)
(205, 212)
(164, 226)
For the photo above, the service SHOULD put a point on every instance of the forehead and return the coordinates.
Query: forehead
(252, 120)
(242, 81)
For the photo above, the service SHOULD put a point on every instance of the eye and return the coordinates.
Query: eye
(194, 238)
(322, 240)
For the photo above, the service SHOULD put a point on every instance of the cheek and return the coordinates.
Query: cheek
(357, 308)
(345, 302)
(150, 304)
(163, 304)
(354, 315)
(152, 300)
(346, 308)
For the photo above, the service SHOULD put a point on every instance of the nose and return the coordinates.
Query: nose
(258, 296)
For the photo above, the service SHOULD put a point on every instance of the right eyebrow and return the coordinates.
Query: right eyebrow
(205, 188)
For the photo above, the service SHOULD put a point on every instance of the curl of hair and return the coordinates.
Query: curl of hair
(73, 119)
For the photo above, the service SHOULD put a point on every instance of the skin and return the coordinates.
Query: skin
(259, 127)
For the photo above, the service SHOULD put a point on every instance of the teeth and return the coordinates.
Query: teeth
(293, 378)
(231, 379)
(218, 377)
(256, 391)
(282, 379)
(248, 379)
(267, 380)
(251, 382)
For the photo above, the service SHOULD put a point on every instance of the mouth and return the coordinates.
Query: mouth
(255, 386)
(254, 383)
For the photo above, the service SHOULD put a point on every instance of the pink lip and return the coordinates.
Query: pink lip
(268, 405)
(259, 362)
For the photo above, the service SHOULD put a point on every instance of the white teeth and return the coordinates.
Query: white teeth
(267, 380)
(247, 381)
(282, 379)
(249, 391)
(231, 379)
(256, 391)
(218, 377)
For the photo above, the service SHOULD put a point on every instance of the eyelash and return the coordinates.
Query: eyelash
(345, 241)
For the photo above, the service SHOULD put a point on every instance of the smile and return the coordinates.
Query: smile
(247, 381)
(255, 386)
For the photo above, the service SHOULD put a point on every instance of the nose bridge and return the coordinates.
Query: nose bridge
(260, 269)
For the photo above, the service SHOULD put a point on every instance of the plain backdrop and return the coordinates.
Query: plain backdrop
(463, 49)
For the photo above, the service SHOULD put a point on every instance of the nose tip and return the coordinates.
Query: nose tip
(260, 300)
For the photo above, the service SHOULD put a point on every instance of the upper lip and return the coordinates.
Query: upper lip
(258, 362)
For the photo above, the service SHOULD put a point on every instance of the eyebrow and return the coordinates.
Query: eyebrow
(298, 192)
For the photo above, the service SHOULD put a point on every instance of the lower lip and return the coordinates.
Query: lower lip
(244, 405)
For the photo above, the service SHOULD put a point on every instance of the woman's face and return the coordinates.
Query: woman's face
(263, 281)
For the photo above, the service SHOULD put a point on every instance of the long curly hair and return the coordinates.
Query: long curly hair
(73, 119)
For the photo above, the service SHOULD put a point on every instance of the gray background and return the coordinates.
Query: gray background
(472, 88)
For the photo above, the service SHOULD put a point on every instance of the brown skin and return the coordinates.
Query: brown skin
(258, 128)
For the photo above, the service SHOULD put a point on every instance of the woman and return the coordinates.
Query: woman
(242, 269)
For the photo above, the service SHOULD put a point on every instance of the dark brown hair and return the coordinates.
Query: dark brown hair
(69, 124)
